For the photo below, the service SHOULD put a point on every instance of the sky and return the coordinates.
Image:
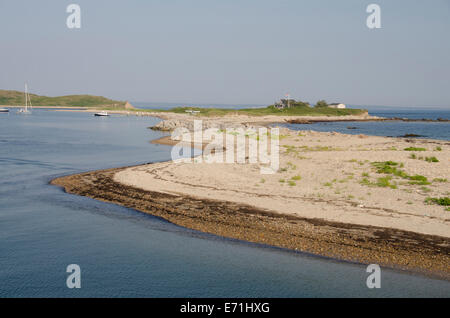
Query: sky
(230, 51)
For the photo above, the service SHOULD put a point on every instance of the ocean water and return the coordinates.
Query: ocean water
(430, 130)
(125, 253)
(412, 113)
(153, 105)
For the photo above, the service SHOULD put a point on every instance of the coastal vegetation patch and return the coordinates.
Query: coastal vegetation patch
(382, 182)
(392, 168)
(16, 98)
(295, 150)
(297, 108)
(415, 149)
(427, 159)
(444, 201)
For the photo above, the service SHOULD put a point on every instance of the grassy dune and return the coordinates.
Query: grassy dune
(16, 98)
(270, 110)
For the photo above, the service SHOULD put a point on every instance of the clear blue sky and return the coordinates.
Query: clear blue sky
(230, 51)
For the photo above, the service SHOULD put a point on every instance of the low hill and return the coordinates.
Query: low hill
(16, 98)
(271, 110)
(296, 108)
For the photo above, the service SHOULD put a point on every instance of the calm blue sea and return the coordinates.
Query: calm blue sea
(124, 253)
(165, 105)
(433, 130)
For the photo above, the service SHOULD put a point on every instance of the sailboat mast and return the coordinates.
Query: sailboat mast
(29, 99)
(26, 97)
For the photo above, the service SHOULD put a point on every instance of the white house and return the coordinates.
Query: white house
(337, 105)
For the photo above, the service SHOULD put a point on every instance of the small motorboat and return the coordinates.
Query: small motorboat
(101, 114)
(4, 110)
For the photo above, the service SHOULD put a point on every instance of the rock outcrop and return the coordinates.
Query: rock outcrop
(172, 124)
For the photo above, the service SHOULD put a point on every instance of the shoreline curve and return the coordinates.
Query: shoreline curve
(393, 248)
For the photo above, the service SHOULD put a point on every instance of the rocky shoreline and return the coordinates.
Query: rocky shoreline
(427, 254)
(172, 121)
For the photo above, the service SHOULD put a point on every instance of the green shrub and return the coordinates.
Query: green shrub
(418, 179)
(321, 103)
(388, 167)
(415, 149)
(445, 201)
(385, 182)
(431, 159)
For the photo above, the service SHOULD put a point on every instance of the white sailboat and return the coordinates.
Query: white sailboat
(4, 110)
(27, 100)
(101, 114)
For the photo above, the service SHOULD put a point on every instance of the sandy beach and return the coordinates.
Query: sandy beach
(331, 167)
(330, 196)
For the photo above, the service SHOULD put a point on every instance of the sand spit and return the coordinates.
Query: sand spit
(172, 121)
(328, 198)
(231, 119)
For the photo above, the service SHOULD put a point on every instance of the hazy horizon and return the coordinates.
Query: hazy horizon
(154, 104)
(233, 52)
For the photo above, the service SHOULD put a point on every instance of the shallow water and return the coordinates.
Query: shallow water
(124, 253)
